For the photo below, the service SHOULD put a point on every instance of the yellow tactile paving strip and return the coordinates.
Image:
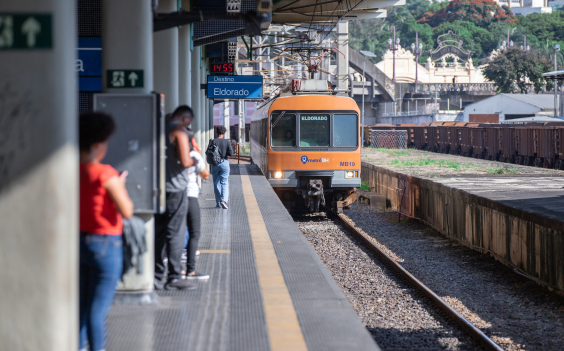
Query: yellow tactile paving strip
(214, 251)
(283, 327)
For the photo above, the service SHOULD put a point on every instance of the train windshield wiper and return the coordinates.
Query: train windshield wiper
(277, 119)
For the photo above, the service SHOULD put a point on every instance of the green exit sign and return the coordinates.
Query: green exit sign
(25, 31)
(124, 78)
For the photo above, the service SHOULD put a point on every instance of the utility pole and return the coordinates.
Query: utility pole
(226, 119)
(393, 47)
(556, 48)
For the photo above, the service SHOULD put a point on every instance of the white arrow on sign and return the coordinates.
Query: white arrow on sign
(31, 28)
(133, 78)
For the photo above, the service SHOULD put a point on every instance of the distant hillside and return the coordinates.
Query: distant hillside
(482, 24)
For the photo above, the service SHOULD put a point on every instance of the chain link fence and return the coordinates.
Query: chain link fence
(388, 139)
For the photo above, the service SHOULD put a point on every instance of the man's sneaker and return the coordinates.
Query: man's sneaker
(179, 284)
(224, 205)
(159, 284)
(197, 276)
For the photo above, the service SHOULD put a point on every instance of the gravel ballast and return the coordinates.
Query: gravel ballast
(513, 311)
(397, 319)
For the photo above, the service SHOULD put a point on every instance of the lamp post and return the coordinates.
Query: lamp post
(417, 50)
(556, 48)
(393, 47)
(364, 54)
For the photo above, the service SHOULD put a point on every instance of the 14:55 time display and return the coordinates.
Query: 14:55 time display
(223, 68)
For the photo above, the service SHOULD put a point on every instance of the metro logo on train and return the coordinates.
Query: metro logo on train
(305, 159)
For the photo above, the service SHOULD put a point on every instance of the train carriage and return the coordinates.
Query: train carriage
(307, 143)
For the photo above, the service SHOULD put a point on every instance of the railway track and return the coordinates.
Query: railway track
(412, 281)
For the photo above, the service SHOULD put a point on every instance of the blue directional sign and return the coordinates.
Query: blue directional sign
(89, 64)
(234, 87)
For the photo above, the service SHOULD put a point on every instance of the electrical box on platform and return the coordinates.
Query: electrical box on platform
(138, 146)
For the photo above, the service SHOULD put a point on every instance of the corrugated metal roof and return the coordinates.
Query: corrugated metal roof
(542, 101)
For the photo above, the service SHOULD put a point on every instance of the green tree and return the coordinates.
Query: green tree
(547, 27)
(480, 12)
(515, 70)
(425, 36)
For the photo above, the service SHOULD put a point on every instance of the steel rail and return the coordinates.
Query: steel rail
(473, 331)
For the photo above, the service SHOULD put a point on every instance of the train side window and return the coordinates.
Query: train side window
(283, 129)
(345, 130)
(314, 129)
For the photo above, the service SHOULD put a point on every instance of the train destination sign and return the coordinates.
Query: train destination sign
(234, 87)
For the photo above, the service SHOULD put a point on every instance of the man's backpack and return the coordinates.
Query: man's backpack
(213, 155)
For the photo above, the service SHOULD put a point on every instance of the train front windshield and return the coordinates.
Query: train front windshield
(345, 130)
(293, 129)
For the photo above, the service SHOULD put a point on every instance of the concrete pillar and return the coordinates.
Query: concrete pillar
(184, 67)
(226, 119)
(241, 122)
(203, 103)
(343, 62)
(39, 230)
(128, 44)
(197, 124)
(165, 56)
(210, 117)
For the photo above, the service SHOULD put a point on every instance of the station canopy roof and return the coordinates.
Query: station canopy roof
(329, 11)
(554, 75)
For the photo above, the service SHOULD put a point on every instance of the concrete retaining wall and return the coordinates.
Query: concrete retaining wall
(527, 241)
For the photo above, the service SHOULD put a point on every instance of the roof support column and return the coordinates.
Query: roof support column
(204, 105)
(39, 176)
(343, 62)
(184, 57)
(165, 56)
(127, 41)
(128, 44)
(210, 119)
(195, 81)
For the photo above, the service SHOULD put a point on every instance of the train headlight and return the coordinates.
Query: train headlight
(277, 174)
(350, 174)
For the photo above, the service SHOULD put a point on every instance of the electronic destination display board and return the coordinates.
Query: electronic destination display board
(234, 87)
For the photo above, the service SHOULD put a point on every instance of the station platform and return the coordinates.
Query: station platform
(268, 289)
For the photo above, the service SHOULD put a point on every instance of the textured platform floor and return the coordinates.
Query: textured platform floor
(268, 289)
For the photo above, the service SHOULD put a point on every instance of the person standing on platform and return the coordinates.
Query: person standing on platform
(104, 202)
(220, 172)
(170, 227)
(193, 218)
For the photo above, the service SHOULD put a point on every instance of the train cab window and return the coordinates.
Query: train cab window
(314, 129)
(283, 129)
(345, 130)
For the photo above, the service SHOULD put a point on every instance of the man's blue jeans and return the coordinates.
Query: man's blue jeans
(220, 174)
(101, 262)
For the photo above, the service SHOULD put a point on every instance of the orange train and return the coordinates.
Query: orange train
(307, 143)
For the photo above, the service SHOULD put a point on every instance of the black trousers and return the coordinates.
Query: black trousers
(170, 231)
(194, 225)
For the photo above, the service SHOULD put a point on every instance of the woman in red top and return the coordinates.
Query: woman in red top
(104, 201)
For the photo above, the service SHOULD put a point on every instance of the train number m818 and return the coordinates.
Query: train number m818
(347, 164)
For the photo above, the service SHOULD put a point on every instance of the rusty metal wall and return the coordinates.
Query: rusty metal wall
(529, 242)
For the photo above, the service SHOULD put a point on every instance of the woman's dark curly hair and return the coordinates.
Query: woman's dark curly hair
(94, 127)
